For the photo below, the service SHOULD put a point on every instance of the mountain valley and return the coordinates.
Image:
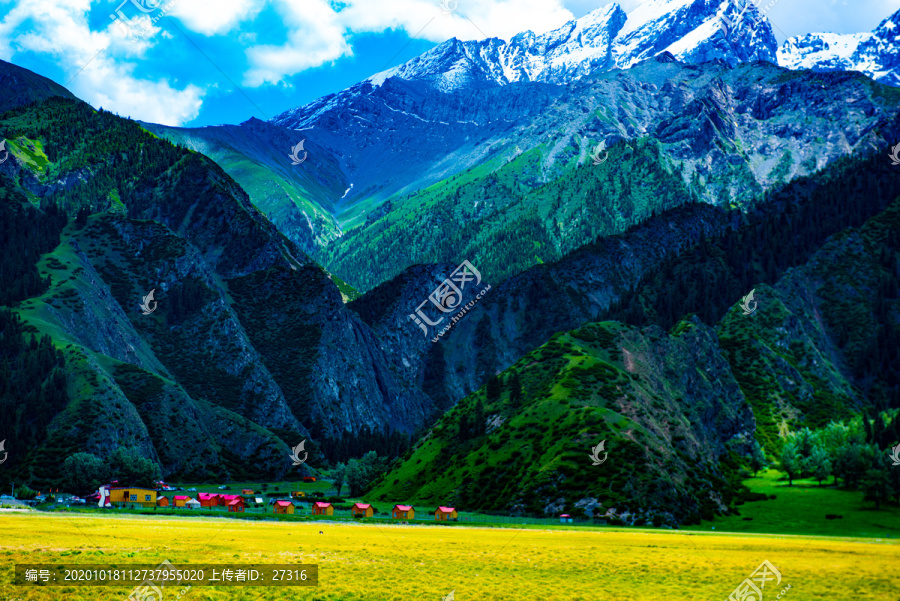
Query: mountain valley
(625, 185)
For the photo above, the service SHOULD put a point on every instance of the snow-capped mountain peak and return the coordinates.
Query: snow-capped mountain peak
(877, 54)
(566, 53)
(694, 31)
(605, 38)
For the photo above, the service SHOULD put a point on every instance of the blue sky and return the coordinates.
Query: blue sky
(206, 62)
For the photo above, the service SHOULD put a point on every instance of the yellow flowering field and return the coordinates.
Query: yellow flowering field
(411, 563)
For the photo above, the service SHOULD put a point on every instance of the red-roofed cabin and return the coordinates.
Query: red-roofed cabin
(309, 478)
(442, 514)
(162, 501)
(565, 518)
(236, 505)
(363, 510)
(284, 507)
(226, 499)
(322, 508)
(404, 512)
(208, 499)
(180, 500)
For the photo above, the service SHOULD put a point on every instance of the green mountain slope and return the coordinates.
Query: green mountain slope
(675, 133)
(826, 340)
(246, 341)
(666, 406)
(673, 406)
(501, 223)
(21, 86)
(299, 199)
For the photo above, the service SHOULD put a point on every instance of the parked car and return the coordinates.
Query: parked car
(192, 489)
(223, 487)
(77, 501)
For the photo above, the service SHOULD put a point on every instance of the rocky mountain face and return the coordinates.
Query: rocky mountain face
(672, 133)
(519, 314)
(246, 345)
(365, 125)
(877, 53)
(827, 340)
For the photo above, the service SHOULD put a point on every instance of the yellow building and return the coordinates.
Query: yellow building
(322, 508)
(145, 497)
(363, 510)
(442, 514)
(404, 512)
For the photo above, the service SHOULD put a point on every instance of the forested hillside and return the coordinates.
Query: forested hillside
(656, 273)
(98, 213)
(683, 409)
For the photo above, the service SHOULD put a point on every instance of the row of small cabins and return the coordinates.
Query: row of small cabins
(147, 497)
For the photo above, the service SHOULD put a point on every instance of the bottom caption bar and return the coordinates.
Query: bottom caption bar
(167, 574)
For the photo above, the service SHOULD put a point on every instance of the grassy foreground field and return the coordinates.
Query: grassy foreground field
(412, 563)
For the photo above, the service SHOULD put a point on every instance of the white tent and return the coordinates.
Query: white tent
(192, 504)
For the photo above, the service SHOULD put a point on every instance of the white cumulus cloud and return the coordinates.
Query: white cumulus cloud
(214, 17)
(97, 61)
(316, 37)
(464, 19)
